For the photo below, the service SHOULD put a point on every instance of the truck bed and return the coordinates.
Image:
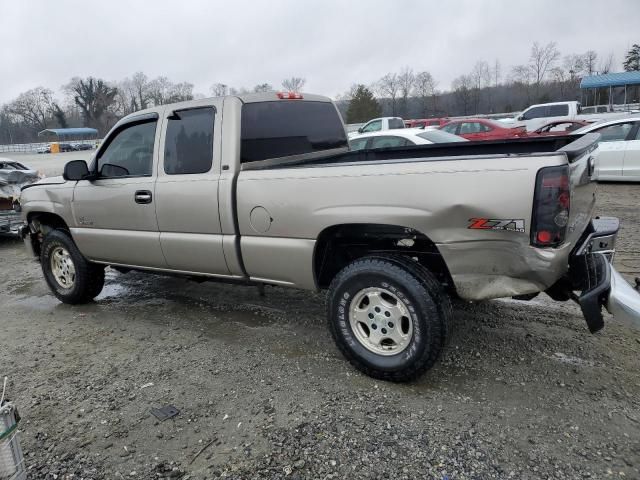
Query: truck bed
(573, 145)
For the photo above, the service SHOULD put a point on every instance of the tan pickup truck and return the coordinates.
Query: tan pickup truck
(262, 189)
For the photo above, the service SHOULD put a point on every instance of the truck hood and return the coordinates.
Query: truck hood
(46, 181)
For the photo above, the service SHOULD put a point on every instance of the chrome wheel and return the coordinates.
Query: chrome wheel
(62, 267)
(380, 321)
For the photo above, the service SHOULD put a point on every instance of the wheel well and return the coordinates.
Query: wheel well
(51, 220)
(339, 245)
(40, 223)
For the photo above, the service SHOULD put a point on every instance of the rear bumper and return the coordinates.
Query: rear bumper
(623, 300)
(592, 273)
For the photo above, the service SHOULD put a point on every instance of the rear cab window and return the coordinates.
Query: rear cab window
(284, 128)
(558, 111)
(395, 123)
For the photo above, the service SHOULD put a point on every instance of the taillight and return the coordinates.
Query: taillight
(551, 203)
(289, 95)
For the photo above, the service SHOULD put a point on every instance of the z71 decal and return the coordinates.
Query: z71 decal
(511, 224)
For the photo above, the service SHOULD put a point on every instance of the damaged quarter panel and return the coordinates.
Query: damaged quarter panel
(281, 213)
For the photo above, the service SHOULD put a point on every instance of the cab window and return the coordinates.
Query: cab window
(395, 123)
(188, 146)
(130, 152)
(374, 126)
(558, 111)
(535, 112)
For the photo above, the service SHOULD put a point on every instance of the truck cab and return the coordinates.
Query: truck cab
(537, 115)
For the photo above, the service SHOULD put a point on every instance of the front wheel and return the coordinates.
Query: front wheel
(388, 316)
(70, 276)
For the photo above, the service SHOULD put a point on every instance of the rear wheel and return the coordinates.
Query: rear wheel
(70, 276)
(388, 316)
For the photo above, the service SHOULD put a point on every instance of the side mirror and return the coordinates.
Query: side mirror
(360, 130)
(75, 170)
(520, 118)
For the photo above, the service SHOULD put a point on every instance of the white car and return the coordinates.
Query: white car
(618, 153)
(402, 138)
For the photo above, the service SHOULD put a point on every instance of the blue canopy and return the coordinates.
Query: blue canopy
(70, 132)
(611, 80)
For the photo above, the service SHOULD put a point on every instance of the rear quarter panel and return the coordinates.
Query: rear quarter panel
(437, 198)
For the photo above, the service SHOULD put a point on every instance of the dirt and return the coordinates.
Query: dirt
(522, 391)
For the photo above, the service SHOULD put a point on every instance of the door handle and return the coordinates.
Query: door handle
(143, 196)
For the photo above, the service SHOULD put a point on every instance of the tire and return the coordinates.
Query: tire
(70, 276)
(402, 288)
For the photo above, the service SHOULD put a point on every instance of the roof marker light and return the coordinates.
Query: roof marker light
(289, 95)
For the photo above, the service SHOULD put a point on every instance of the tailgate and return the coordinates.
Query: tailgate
(583, 198)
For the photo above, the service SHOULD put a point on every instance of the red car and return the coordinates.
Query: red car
(559, 127)
(425, 122)
(482, 129)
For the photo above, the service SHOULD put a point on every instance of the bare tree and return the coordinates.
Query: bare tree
(462, 92)
(481, 78)
(406, 79)
(495, 73)
(574, 65)
(219, 89)
(542, 59)
(425, 87)
(263, 87)
(522, 76)
(589, 59)
(159, 90)
(606, 64)
(388, 86)
(293, 84)
(33, 107)
(141, 90)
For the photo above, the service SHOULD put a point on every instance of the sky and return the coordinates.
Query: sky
(330, 43)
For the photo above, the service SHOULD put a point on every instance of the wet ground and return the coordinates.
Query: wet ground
(523, 390)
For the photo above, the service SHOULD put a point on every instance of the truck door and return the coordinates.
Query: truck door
(115, 214)
(631, 166)
(611, 149)
(187, 189)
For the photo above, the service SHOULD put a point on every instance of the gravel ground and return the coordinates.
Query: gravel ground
(523, 390)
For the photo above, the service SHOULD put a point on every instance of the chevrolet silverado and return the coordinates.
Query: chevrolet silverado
(262, 189)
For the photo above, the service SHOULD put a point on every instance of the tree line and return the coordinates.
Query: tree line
(546, 76)
(98, 103)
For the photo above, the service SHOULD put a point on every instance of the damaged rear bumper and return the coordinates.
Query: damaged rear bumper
(591, 272)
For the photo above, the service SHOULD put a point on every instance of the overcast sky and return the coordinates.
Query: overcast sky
(331, 43)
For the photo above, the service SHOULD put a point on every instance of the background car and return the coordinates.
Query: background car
(44, 149)
(559, 127)
(81, 146)
(425, 122)
(482, 129)
(618, 153)
(401, 138)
